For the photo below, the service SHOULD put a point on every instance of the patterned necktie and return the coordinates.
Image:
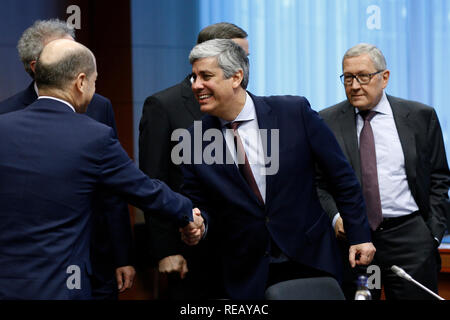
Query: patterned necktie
(369, 175)
(242, 160)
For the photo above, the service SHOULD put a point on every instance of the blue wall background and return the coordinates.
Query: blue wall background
(15, 17)
(296, 46)
(163, 33)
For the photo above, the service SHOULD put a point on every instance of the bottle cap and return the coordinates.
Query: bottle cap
(362, 281)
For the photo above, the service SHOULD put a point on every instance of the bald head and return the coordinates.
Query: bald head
(67, 70)
(61, 62)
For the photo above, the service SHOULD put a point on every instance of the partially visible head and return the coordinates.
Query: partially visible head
(365, 59)
(224, 30)
(220, 71)
(375, 54)
(37, 36)
(67, 69)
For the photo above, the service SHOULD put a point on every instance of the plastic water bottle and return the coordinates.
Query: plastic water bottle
(362, 292)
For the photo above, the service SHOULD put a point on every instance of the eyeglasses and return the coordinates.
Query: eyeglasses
(347, 79)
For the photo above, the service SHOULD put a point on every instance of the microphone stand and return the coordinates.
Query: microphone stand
(402, 273)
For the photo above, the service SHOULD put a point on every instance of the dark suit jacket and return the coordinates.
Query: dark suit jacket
(51, 162)
(164, 112)
(423, 147)
(292, 216)
(112, 239)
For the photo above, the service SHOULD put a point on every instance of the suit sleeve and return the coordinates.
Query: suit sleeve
(325, 198)
(116, 213)
(119, 173)
(194, 190)
(346, 190)
(154, 160)
(440, 179)
(323, 190)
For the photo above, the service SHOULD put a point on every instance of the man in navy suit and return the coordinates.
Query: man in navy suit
(267, 214)
(191, 270)
(111, 245)
(52, 159)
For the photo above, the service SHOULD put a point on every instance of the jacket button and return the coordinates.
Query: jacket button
(267, 220)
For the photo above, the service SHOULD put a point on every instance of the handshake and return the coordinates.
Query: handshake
(193, 232)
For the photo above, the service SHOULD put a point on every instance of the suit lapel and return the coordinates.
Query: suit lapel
(267, 120)
(348, 132)
(407, 140)
(211, 122)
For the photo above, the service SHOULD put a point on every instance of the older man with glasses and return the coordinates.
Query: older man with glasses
(397, 151)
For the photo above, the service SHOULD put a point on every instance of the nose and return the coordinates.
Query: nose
(197, 84)
(355, 84)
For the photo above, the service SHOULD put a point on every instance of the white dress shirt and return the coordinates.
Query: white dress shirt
(251, 139)
(396, 197)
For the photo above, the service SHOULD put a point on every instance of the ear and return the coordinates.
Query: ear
(386, 74)
(81, 82)
(237, 78)
(33, 66)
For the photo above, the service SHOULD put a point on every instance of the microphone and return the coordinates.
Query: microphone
(402, 274)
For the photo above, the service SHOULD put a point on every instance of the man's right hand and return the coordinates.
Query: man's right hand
(193, 232)
(173, 264)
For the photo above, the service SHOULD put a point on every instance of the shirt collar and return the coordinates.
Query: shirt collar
(248, 113)
(383, 106)
(35, 88)
(53, 98)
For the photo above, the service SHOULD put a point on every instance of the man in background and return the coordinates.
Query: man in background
(111, 246)
(192, 272)
(397, 151)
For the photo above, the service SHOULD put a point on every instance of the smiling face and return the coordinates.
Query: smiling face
(215, 94)
(366, 96)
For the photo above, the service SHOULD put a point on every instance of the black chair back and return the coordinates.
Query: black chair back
(320, 288)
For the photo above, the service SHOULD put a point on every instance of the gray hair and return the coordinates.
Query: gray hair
(59, 74)
(32, 41)
(374, 53)
(230, 57)
(221, 30)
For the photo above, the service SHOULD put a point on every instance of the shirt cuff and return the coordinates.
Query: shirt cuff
(437, 241)
(336, 216)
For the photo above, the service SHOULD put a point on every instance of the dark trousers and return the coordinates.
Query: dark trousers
(194, 286)
(406, 242)
(104, 288)
(204, 278)
(410, 246)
